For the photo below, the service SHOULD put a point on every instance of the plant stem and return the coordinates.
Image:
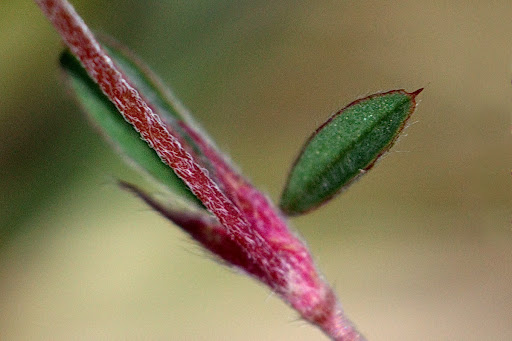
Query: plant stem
(286, 263)
(135, 110)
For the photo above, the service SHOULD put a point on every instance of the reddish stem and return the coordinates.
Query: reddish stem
(136, 111)
(283, 259)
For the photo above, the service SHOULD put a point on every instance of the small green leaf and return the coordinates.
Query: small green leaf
(345, 147)
(110, 122)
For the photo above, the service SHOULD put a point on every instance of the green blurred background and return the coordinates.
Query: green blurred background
(419, 249)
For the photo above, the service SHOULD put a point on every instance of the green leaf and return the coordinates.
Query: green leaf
(110, 122)
(345, 147)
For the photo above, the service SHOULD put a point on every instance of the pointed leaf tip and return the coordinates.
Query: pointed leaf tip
(417, 92)
(345, 147)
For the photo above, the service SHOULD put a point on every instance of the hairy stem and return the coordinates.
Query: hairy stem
(277, 253)
(136, 111)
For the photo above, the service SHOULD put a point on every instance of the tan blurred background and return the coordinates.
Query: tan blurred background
(420, 249)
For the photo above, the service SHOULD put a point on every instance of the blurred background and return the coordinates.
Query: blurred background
(419, 249)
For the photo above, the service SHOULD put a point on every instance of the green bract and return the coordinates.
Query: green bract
(344, 147)
(122, 134)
